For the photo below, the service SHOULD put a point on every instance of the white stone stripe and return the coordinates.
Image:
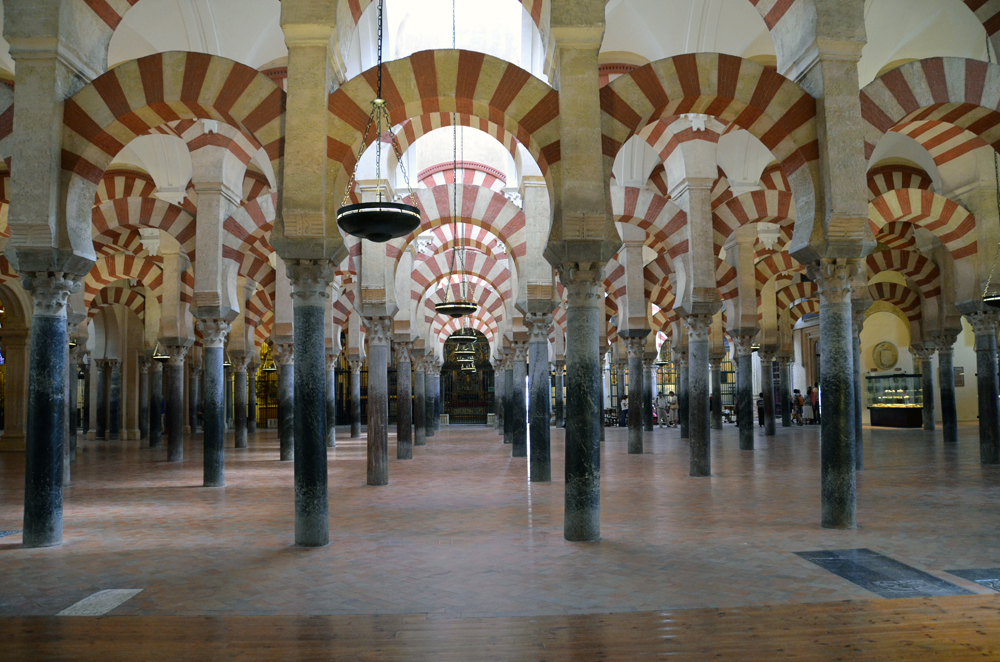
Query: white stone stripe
(101, 602)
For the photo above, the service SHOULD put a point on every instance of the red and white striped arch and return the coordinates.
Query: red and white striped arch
(614, 279)
(477, 290)
(775, 264)
(897, 235)
(483, 239)
(443, 327)
(656, 277)
(116, 267)
(773, 179)
(659, 217)
(667, 134)
(751, 207)
(469, 172)
(121, 183)
(118, 240)
(135, 213)
(898, 295)
(795, 291)
(802, 308)
(921, 271)
(109, 296)
(887, 178)
(430, 270)
(945, 218)
(415, 128)
(950, 102)
(247, 230)
(343, 306)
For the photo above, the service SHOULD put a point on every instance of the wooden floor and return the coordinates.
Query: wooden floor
(952, 629)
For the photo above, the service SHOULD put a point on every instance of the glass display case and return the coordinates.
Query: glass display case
(895, 401)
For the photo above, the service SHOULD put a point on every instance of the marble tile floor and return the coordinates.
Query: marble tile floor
(459, 532)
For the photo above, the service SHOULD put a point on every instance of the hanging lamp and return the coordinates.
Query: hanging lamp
(268, 365)
(469, 368)
(465, 350)
(381, 220)
(159, 354)
(464, 337)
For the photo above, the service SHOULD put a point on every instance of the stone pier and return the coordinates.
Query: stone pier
(404, 400)
(379, 335)
(539, 403)
(700, 423)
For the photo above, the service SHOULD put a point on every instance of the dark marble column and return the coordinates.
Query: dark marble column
(560, 416)
(102, 399)
(144, 362)
(647, 392)
(155, 404)
(539, 401)
(310, 280)
(331, 400)
(355, 365)
(785, 391)
(252, 398)
(404, 400)
(518, 407)
(379, 335)
(240, 400)
(925, 356)
(194, 393)
(419, 401)
(46, 424)
(173, 394)
(115, 400)
(945, 342)
(582, 505)
(213, 337)
(227, 385)
(85, 429)
(715, 365)
(681, 362)
(859, 439)
(432, 370)
(438, 404)
(285, 358)
(837, 474)
(635, 346)
(767, 386)
(984, 324)
(743, 342)
(700, 425)
(499, 395)
(510, 389)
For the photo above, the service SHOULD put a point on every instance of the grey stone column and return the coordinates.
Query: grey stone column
(539, 402)
(701, 431)
(984, 324)
(925, 355)
(103, 369)
(419, 401)
(715, 365)
(767, 386)
(681, 363)
(837, 474)
(144, 362)
(635, 346)
(582, 507)
(560, 415)
(46, 424)
(252, 398)
(284, 357)
(155, 404)
(438, 404)
(379, 334)
(73, 371)
(331, 400)
(404, 400)
(785, 391)
(743, 342)
(859, 439)
(647, 393)
(310, 281)
(213, 337)
(518, 407)
(431, 370)
(194, 394)
(173, 393)
(499, 395)
(114, 386)
(240, 400)
(85, 428)
(355, 365)
(510, 389)
(945, 342)
(227, 385)
(602, 352)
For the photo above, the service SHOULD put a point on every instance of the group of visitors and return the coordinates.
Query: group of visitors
(666, 405)
(805, 408)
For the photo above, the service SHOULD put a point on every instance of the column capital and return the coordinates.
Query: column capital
(766, 356)
(857, 322)
(310, 280)
(144, 362)
(519, 353)
(283, 352)
(922, 353)
(155, 367)
(213, 332)
(355, 365)
(331, 361)
(635, 346)
(984, 322)
(402, 349)
(647, 363)
(379, 330)
(50, 291)
(240, 362)
(833, 277)
(715, 362)
(743, 340)
(583, 283)
(177, 354)
(944, 341)
(539, 325)
(698, 327)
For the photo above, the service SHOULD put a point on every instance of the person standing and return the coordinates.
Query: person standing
(675, 407)
(623, 406)
(760, 408)
(815, 404)
(807, 408)
(662, 405)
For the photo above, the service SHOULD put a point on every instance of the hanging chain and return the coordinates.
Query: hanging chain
(996, 180)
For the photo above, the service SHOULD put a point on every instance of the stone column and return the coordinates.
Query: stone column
(114, 387)
(743, 342)
(310, 281)
(785, 391)
(681, 362)
(539, 403)
(944, 342)
(858, 321)
(379, 334)
(102, 399)
(144, 362)
(518, 409)
(85, 428)
(194, 391)
(438, 408)
(419, 402)
(404, 400)
(500, 395)
(173, 393)
(767, 386)
(602, 352)
(331, 400)
(213, 333)
(510, 391)
(227, 386)
(647, 392)
(155, 404)
(252, 399)
(701, 433)
(984, 324)
(355, 365)
(715, 364)
(430, 406)
(240, 400)
(635, 347)
(925, 355)
(839, 497)
(46, 425)
(284, 358)
(582, 508)
(560, 415)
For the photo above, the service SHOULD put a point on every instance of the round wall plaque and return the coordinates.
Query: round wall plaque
(885, 355)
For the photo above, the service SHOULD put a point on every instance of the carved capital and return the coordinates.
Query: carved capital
(144, 362)
(539, 324)
(922, 353)
(647, 364)
(379, 330)
(50, 291)
(766, 357)
(402, 350)
(984, 323)
(583, 283)
(944, 341)
(331, 361)
(213, 332)
(833, 278)
(310, 280)
(283, 352)
(698, 327)
(858, 322)
(355, 365)
(240, 363)
(743, 342)
(519, 353)
(177, 354)
(634, 346)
